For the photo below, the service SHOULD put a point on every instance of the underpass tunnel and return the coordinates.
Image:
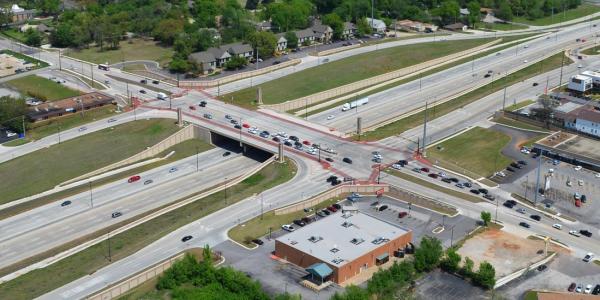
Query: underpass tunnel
(233, 145)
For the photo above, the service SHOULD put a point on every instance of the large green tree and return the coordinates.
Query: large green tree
(485, 276)
(289, 14)
(474, 13)
(452, 260)
(486, 217)
(12, 111)
(292, 39)
(428, 254)
(265, 42)
(33, 37)
(336, 23)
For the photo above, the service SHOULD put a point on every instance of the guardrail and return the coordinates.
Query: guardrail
(508, 278)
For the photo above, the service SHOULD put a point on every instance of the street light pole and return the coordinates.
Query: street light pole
(197, 162)
(91, 195)
(262, 204)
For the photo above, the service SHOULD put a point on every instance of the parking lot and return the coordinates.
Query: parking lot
(439, 285)
(421, 221)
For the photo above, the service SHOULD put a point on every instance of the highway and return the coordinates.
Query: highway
(130, 199)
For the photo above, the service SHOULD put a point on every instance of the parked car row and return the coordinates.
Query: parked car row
(578, 288)
(308, 219)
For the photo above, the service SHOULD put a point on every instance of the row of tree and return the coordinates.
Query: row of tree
(12, 111)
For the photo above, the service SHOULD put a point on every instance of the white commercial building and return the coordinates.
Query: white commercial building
(594, 75)
(580, 83)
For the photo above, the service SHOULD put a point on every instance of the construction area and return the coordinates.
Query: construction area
(10, 65)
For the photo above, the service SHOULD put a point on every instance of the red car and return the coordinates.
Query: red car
(578, 203)
(192, 107)
(402, 214)
(425, 170)
(245, 125)
(134, 178)
(433, 175)
(307, 143)
(332, 209)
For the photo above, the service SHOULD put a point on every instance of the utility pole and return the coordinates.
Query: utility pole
(262, 205)
(378, 173)
(537, 180)
(23, 124)
(225, 190)
(372, 14)
(58, 134)
(562, 63)
(59, 60)
(197, 161)
(92, 71)
(504, 99)
(423, 153)
(91, 195)
(109, 254)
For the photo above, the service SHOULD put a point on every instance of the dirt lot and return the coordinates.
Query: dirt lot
(8, 64)
(506, 252)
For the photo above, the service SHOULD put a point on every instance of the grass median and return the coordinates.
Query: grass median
(517, 124)
(434, 186)
(348, 70)
(591, 51)
(43, 169)
(259, 226)
(134, 49)
(442, 109)
(42, 88)
(38, 282)
(561, 16)
(476, 151)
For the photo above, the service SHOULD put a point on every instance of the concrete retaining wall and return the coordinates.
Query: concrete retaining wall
(336, 50)
(359, 85)
(238, 76)
(508, 278)
(184, 134)
(335, 192)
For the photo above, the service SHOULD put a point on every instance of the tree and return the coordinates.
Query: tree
(236, 62)
(11, 112)
(352, 292)
(251, 4)
(448, 11)
(485, 276)
(486, 217)
(504, 11)
(33, 37)
(428, 254)
(179, 65)
(265, 42)
(289, 15)
(61, 37)
(5, 16)
(167, 30)
(363, 27)
(292, 40)
(467, 268)
(336, 23)
(48, 7)
(474, 12)
(451, 261)
(205, 12)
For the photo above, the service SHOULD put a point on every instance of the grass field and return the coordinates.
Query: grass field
(40, 281)
(501, 26)
(348, 70)
(592, 51)
(42, 88)
(137, 49)
(50, 166)
(38, 63)
(519, 105)
(517, 124)
(433, 186)
(14, 34)
(530, 295)
(581, 11)
(415, 120)
(259, 227)
(476, 151)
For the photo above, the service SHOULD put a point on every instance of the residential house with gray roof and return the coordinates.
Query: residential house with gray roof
(239, 49)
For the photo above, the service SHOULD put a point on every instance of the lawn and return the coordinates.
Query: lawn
(476, 151)
(581, 11)
(259, 227)
(50, 166)
(517, 124)
(14, 34)
(42, 88)
(591, 51)
(433, 186)
(137, 49)
(501, 26)
(415, 120)
(530, 295)
(348, 70)
(519, 105)
(182, 150)
(27, 58)
(38, 282)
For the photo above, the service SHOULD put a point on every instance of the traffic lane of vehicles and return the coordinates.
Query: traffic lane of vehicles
(53, 212)
(89, 221)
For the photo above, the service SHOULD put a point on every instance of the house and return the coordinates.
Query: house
(281, 42)
(378, 26)
(464, 12)
(26, 27)
(322, 33)
(410, 25)
(585, 118)
(264, 26)
(20, 15)
(305, 36)
(43, 28)
(456, 27)
(205, 60)
(239, 49)
(221, 56)
(68, 106)
(349, 30)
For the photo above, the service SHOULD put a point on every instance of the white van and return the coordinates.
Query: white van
(161, 96)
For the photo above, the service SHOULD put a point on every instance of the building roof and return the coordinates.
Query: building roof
(218, 53)
(455, 26)
(376, 23)
(341, 238)
(237, 48)
(281, 36)
(349, 26)
(464, 11)
(589, 113)
(202, 57)
(69, 104)
(320, 28)
(320, 270)
(582, 77)
(304, 33)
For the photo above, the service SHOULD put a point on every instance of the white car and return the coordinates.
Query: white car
(330, 117)
(521, 210)
(83, 128)
(397, 166)
(597, 175)
(379, 156)
(442, 174)
(311, 151)
(525, 61)
(574, 233)
(287, 227)
(588, 289)
(282, 134)
(578, 289)
(577, 168)
(557, 226)
(580, 182)
(500, 174)
(526, 46)
(588, 257)
(525, 151)
(10, 134)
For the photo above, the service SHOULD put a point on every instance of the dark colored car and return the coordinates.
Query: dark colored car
(402, 214)
(572, 287)
(382, 208)
(144, 81)
(321, 214)
(186, 238)
(276, 62)
(515, 165)
(237, 126)
(288, 143)
(258, 241)
(585, 232)
(542, 268)
(596, 290)
(583, 198)
(332, 178)
(326, 212)
(329, 159)
(155, 81)
(489, 197)
(142, 91)
(66, 203)
(347, 160)
(522, 162)
(483, 191)
(226, 153)
(337, 206)
(426, 170)
(524, 225)
(116, 214)
(453, 179)
(512, 202)
(306, 220)
(467, 184)
(276, 139)
(299, 223)
(486, 75)
(332, 209)
(294, 138)
(536, 217)
(510, 169)
(474, 191)
(403, 162)
(203, 103)
(446, 180)
(535, 84)
(508, 204)
(433, 175)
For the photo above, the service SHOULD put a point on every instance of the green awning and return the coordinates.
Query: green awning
(320, 270)
(383, 256)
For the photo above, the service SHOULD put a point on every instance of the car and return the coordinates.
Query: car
(535, 84)
(331, 209)
(557, 226)
(583, 198)
(525, 61)
(486, 75)
(459, 185)
(337, 206)
(425, 170)
(522, 162)
(508, 204)
(467, 184)
(144, 81)
(321, 214)
(226, 153)
(294, 138)
(232, 121)
(80, 129)
(542, 268)
(475, 191)
(579, 289)
(572, 287)
(307, 220)
(288, 227)
(577, 196)
(580, 182)
(116, 214)
(574, 233)
(276, 62)
(510, 169)
(585, 232)
(246, 125)
(536, 217)
(276, 139)
(377, 160)
(482, 190)
(524, 224)
(382, 208)
(330, 117)
(258, 241)
(347, 160)
(208, 116)
(446, 180)
(142, 91)
(416, 170)
(134, 178)
(521, 210)
(228, 117)
(192, 107)
(173, 169)
(186, 238)
(515, 165)
(288, 143)
(329, 159)
(326, 212)
(596, 290)
(237, 126)
(299, 222)
(203, 104)
(433, 175)
(149, 181)
(588, 289)
(402, 214)
(264, 134)
(331, 178)
(577, 168)
(489, 197)
(68, 202)
(397, 166)
(155, 81)
(111, 120)
(305, 142)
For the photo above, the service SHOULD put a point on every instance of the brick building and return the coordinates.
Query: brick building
(53, 109)
(341, 246)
